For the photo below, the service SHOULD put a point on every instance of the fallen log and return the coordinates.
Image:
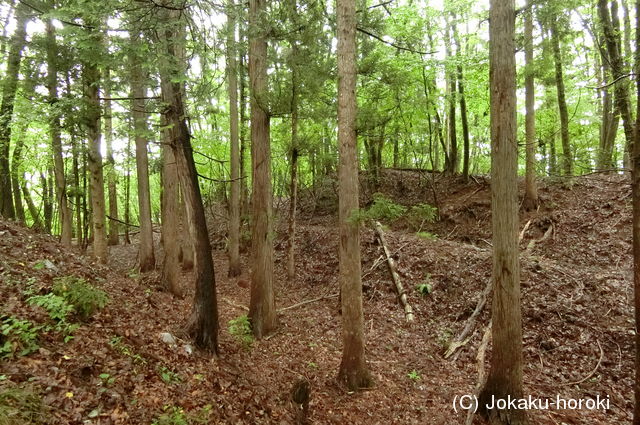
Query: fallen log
(402, 295)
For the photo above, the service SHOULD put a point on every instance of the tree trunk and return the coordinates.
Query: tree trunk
(567, 157)
(47, 200)
(463, 106)
(33, 210)
(203, 324)
(451, 119)
(531, 188)
(138, 112)
(353, 368)
(16, 174)
(234, 202)
(114, 225)
(635, 160)
(56, 140)
(9, 88)
(91, 77)
(170, 217)
(262, 311)
(505, 376)
(127, 194)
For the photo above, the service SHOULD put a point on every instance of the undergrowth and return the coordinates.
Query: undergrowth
(240, 327)
(21, 406)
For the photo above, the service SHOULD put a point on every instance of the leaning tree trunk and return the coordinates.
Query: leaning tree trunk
(9, 88)
(138, 94)
(505, 376)
(567, 157)
(234, 201)
(203, 324)
(531, 187)
(262, 310)
(56, 140)
(353, 368)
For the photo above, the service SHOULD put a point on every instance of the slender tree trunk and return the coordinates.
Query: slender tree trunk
(56, 140)
(47, 200)
(127, 194)
(531, 187)
(353, 368)
(203, 324)
(138, 93)
(33, 210)
(262, 311)
(91, 77)
(636, 221)
(505, 376)
(451, 119)
(463, 104)
(114, 225)
(567, 156)
(170, 217)
(234, 204)
(16, 174)
(9, 87)
(244, 185)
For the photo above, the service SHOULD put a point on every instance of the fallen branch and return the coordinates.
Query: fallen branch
(402, 295)
(307, 302)
(463, 338)
(482, 350)
(544, 237)
(232, 304)
(593, 372)
(524, 230)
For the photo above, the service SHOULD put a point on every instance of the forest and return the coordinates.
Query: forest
(297, 211)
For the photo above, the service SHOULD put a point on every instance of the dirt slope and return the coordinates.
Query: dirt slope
(577, 298)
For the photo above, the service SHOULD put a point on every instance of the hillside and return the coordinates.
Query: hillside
(577, 319)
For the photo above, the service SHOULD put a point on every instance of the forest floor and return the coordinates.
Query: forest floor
(577, 319)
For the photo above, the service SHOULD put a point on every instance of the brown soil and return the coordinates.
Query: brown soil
(577, 318)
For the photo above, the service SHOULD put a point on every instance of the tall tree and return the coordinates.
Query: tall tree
(262, 310)
(9, 87)
(91, 83)
(170, 216)
(531, 187)
(203, 323)
(56, 140)
(452, 167)
(353, 368)
(234, 201)
(112, 190)
(139, 114)
(463, 102)
(505, 376)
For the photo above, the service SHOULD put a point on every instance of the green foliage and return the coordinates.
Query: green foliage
(240, 327)
(83, 297)
(382, 208)
(18, 337)
(21, 406)
(427, 235)
(168, 376)
(424, 288)
(174, 415)
(414, 375)
(59, 310)
(422, 213)
(127, 350)
(106, 380)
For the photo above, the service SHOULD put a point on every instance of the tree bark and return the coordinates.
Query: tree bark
(635, 180)
(262, 311)
(114, 225)
(463, 106)
(91, 77)
(203, 324)
(531, 187)
(451, 119)
(138, 112)
(353, 368)
(9, 88)
(234, 202)
(56, 140)
(505, 376)
(567, 156)
(170, 217)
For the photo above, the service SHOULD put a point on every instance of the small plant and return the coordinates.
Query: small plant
(424, 288)
(312, 365)
(382, 208)
(85, 298)
(427, 235)
(122, 348)
(414, 375)
(240, 327)
(21, 406)
(17, 337)
(422, 213)
(444, 338)
(174, 415)
(106, 380)
(169, 376)
(59, 310)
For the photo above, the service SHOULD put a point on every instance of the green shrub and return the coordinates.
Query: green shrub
(240, 327)
(382, 208)
(17, 337)
(422, 213)
(427, 235)
(59, 310)
(83, 297)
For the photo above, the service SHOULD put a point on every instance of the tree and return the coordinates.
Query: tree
(138, 95)
(234, 201)
(353, 368)
(203, 323)
(531, 188)
(9, 88)
(114, 237)
(505, 376)
(262, 310)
